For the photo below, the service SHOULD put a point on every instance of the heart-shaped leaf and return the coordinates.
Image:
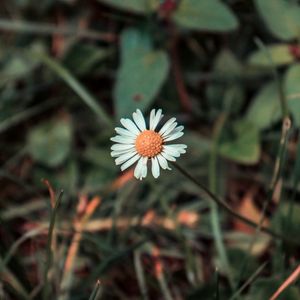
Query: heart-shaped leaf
(265, 107)
(281, 16)
(292, 89)
(137, 6)
(211, 15)
(50, 143)
(141, 75)
(277, 54)
(241, 143)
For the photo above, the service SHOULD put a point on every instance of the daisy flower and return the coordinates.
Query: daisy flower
(136, 143)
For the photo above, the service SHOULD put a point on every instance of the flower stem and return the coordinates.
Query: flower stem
(221, 203)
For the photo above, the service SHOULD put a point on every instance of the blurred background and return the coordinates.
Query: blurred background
(227, 70)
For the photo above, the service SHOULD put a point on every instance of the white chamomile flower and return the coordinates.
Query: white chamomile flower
(136, 143)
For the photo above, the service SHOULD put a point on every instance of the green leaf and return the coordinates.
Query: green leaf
(264, 288)
(280, 55)
(137, 6)
(140, 76)
(292, 89)
(50, 143)
(287, 219)
(95, 179)
(227, 65)
(16, 67)
(134, 41)
(241, 143)
(265, 107)
(281, 16)
(210, 15)
(237, 258)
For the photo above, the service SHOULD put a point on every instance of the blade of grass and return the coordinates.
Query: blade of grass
(159, 273)
(67, 278)
(280, 157)
(96, 291)
(164, 287)
(18, 181)
(24, 115)
(21, 210)
(49, 245)
(249, 281)
(140, 274)
(296, 180)
(75, 85)
(8, 277)
(215, 219)
(49, 29)
(184, 243)
(217, 295)
(113, 259)
(28, 235)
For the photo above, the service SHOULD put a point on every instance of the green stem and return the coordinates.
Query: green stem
(221, 203)
(49, 29)
(286, 126)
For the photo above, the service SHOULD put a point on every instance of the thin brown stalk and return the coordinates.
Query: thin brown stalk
(73, 249)
(293, 277)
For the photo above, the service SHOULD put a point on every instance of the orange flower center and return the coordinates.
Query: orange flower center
(148, 143)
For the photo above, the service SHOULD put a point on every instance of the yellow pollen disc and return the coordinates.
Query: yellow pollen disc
(148, 143)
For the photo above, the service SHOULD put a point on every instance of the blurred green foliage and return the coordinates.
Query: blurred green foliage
(69, 70)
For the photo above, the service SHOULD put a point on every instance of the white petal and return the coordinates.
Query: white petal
(156, 119)
(174, 136)
(170, 129)
(152, 117)
(167, 125)
(168, 156)
(178, 146)
(163, 162)
(122, 158)
(120, 152)
(130, 162)
(123, 139)
(138, 169)
(173, 151)
(144, 168)
(144, 171)
(139, 120)
(121, 147)
(128, 124)
(155, 167)
(177, 129)
(125, 132)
